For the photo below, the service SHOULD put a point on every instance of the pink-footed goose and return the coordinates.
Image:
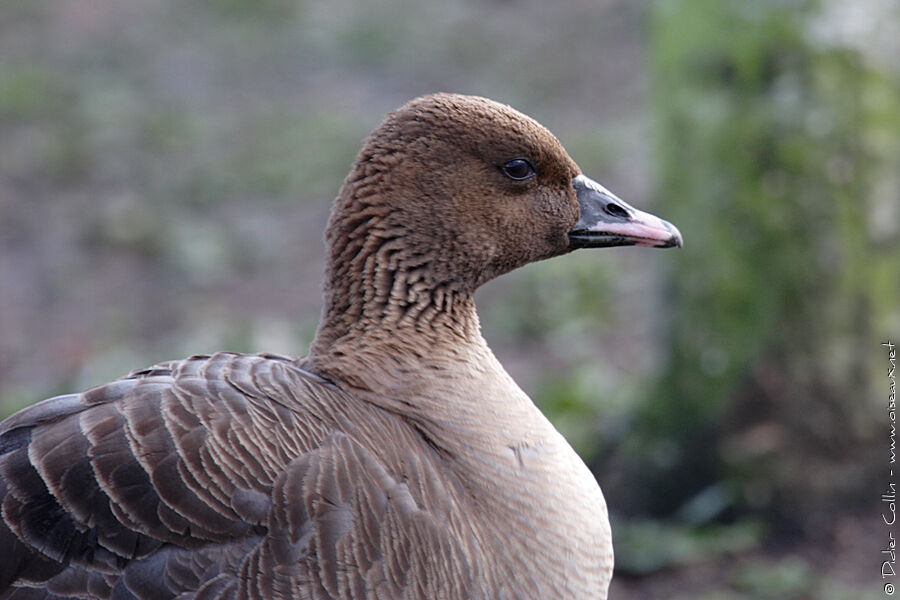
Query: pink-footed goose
(397, 460)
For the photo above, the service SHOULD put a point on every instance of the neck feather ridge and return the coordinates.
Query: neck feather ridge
(384, 294)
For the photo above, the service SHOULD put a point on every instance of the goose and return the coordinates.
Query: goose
(396, 460)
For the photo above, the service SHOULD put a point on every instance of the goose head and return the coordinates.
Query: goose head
(451, 191)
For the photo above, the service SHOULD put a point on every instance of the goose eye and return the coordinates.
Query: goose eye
(518, 169)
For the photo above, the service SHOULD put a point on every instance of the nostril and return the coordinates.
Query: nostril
(616, 210)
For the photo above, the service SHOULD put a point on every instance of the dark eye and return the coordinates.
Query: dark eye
(518, 169)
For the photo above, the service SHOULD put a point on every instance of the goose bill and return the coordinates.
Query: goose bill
(608, 221)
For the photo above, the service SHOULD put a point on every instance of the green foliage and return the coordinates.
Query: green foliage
(772, 149)
(278, 153)
(555, 299)
(724, 134)
(31, 95)
(791, 578)
(647, 546)
(269, 11)
(27, 91)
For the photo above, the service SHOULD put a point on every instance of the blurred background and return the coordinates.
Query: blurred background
(167, 166)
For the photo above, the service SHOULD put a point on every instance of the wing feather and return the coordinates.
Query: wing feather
(221, 477)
